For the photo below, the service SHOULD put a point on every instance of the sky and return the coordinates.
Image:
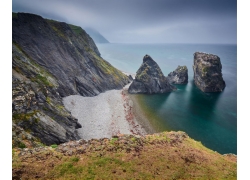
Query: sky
(145, 21)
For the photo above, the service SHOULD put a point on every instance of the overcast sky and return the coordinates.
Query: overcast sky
(145, 21)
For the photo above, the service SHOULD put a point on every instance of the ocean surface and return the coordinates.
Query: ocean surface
(207, 117)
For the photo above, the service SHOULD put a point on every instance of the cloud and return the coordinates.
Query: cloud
(144, 20)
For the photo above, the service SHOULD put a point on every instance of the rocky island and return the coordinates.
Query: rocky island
(149, 79)
(207, 72)
(179, 75)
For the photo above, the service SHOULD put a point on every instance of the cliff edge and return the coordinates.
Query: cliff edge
(51, 60)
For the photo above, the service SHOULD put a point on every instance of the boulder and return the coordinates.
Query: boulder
(149, 79)
(207, 72)
(179, 75)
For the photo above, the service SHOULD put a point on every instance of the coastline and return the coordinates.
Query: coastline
(112, 113)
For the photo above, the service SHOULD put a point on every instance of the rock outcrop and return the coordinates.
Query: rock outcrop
(207, 72)
(179, 75)
(51, 60)
(149, 79)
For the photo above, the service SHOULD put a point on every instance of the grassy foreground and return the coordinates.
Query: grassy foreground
(167, 155)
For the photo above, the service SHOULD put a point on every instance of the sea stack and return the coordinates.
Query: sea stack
(207, 72)
(179, 75)
(149, 79)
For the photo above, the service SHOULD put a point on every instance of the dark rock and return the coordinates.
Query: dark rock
(130, 78)
(207, 72)
(51, 60)
(149, 79)
(67, 53)
(179, 75)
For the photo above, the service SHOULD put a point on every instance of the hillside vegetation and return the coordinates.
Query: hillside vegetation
(167, 155)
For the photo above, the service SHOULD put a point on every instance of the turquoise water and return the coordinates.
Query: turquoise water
(207, 117)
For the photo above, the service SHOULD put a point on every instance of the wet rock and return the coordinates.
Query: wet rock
(149, 79)
(179, 75)
(207, 72)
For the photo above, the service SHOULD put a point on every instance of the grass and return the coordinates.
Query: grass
(113, 140)
(76, 29)
(108, 69)
(24, 116)
(21, 145)
(165, 155)
(54, 146)
(42, 75)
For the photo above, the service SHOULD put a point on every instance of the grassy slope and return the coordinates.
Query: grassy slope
(168, 155)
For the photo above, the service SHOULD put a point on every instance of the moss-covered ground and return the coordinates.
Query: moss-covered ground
(168, 155)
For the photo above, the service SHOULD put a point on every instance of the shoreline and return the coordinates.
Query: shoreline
(112, 113)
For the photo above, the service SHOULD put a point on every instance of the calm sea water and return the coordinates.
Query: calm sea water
(207, 117)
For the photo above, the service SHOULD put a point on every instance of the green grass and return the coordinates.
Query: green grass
(23, 116)
(160, 159)
(67, 169)
(54, 146)
(21, 145)
(76, 29)
(113, 140)
(74, 159)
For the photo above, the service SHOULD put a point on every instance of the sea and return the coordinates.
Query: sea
(210, 118)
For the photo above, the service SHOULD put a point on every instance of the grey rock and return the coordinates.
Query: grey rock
(130, 78)
(66, 52)
(207, 72)
(149, 79)
(51, 60)
(179, 75)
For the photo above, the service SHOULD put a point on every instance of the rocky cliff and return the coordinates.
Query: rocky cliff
(207, 72)
(149, 79)
(179, 75)
(51, 60)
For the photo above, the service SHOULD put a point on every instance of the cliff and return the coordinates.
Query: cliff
(51, 60)
(207, 72)
(149, 79)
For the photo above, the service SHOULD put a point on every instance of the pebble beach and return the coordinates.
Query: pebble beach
(108, 114)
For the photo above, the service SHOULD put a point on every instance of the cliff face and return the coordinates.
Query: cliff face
(68, 53)
(149, 79)
(51, 60)
(179, 75)
(207, 72)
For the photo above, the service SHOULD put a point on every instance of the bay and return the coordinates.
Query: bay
(207, 117)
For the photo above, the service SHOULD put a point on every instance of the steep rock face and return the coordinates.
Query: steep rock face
(68, 53)
(179, 75)
(51, 60)
(207, 72)
(149, 79)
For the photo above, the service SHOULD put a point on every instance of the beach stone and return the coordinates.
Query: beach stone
(149, 79)
(179, 75)
(207, 72)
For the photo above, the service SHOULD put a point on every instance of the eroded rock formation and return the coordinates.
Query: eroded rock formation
(207, 72)
(149, 79)
(179, 75)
